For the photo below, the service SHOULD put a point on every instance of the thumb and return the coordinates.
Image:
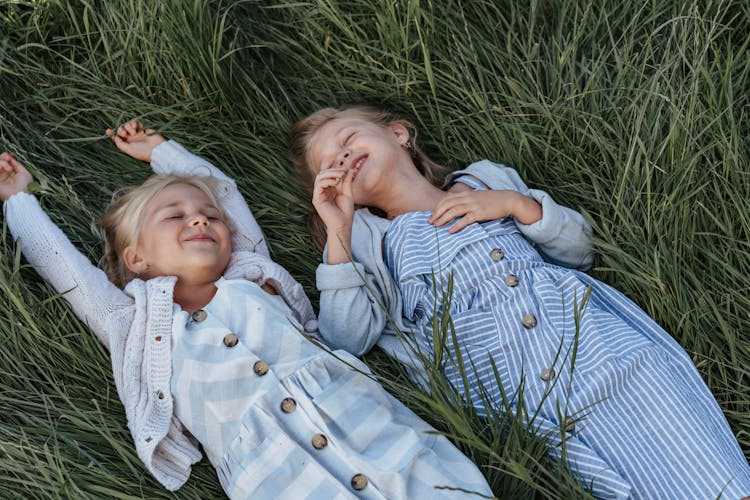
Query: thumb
(121, 143)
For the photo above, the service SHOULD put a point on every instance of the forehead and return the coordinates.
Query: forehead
(178, 193)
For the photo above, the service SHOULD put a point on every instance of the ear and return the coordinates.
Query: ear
(401, 132)
(133, 260)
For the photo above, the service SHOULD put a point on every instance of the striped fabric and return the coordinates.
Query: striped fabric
(280, 417)
(635, 419)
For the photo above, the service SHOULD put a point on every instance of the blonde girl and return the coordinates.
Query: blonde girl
(635, 417)
(206, 338)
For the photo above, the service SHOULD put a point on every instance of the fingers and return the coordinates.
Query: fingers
(9, 163)
(133, 127)
(332, 197)
(462, 223)
(448, 209)
(129, 131)
(332, 178)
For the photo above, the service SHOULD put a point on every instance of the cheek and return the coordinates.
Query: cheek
(226, 235)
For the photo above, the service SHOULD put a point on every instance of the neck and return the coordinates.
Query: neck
(193, 296)
(410, 193)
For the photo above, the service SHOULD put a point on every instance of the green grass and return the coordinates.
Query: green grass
(634, 112)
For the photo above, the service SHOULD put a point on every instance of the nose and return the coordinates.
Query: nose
(343, 157)
(199, 220)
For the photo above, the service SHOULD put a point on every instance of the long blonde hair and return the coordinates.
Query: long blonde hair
(304, 130)
(124, 216)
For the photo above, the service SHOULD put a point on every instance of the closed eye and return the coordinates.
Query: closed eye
(212, 213)
(348, 137)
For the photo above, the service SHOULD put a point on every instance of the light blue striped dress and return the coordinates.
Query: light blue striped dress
(280, 417)
(636, 417)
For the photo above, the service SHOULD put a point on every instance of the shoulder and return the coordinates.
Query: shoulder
(494, 175)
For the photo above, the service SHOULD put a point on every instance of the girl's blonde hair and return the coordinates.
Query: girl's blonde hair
(124, 216)
(304, 131)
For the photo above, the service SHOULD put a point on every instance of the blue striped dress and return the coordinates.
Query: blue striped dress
(632, 414)
(280, 417)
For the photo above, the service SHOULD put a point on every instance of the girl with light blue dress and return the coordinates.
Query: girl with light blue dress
(630, 413)
(206, 337)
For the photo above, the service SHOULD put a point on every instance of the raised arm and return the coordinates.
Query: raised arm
(94, 299)
(169, 157)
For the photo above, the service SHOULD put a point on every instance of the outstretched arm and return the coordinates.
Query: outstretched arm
(168, 157)
(94, 299)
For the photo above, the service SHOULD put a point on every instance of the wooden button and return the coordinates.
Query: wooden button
(497, 255)
(288, 405)
(570, 424)
(319, 441)
(359, 482)
(260, 368)
(511, 280)
(230, 340)
(199, 315)
(529, 321)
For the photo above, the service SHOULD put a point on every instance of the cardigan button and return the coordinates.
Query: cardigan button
(288, 405)
(359, 482)
(529, 321)
(511, 280)
(230, 340)
(199, 315)
(319, 441)
(547, 374)
(260, 368)
(497, 255)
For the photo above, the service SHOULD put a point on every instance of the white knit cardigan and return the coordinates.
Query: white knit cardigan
(135, 324)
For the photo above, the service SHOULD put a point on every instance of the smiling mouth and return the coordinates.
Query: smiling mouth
(201, 238)
(357, 165)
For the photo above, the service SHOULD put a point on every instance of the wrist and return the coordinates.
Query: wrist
(155, 141)
(526, 210)
(8, 196)
(339, 244)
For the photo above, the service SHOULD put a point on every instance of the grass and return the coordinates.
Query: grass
(634, 113)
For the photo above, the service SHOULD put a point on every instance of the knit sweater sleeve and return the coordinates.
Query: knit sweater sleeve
(93, 298)
(172, 158)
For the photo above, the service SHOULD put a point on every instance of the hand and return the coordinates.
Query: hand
(135, 141)
(332, 198)
(476, 206)
(14, 177)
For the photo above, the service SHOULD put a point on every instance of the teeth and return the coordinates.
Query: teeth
(358, 165)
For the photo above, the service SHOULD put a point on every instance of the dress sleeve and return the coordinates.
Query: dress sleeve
(352, 316)
(562, 236)
(170, 157)
(93, 298)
